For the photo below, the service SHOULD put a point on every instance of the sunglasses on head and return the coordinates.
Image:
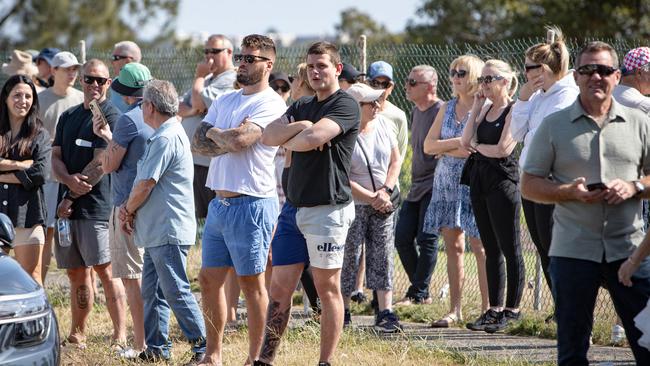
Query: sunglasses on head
(213, 51)
(119, 57)
(602, 70)
(460, 73)
(379, 84)
(489, 78)
(91, 79)
(283, 87)
(532, 67)
(413, 82)
(249, 59)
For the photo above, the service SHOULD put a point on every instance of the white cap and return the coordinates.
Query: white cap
(363, 93)
(64, 59)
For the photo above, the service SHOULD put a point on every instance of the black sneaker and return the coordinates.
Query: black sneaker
(260, 363)
(347, 318)
(359, 297)
(505, 318)
(150, 356)
(196, 359)
(387, 322)
(489, 317)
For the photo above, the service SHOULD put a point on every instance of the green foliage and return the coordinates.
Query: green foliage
(354, 23)
(62, 23)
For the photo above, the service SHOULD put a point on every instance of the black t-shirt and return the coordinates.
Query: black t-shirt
(74, 132)
(322, 177)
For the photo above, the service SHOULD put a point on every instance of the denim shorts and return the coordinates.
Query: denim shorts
(289, 245)
(238, 233)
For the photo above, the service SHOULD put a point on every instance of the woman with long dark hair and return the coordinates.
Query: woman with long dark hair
(24, 156)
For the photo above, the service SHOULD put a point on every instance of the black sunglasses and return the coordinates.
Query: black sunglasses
(602, 70)
(119, 57)
(213, 51)
(379, 84)
(413, 82)
(488, 79)
(374, 103)
(91, 79)
(460, 73)
(249, 59)
(532, 67)
(285, 88)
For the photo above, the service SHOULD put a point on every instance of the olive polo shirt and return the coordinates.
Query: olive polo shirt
(570, 144)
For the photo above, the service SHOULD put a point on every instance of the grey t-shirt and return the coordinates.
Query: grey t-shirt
(422, 165)
(51, 106)
(213, 87)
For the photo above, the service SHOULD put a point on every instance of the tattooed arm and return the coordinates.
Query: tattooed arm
(92, 171)
(276, 323)
(236, 139)
(201, 144)
(112, 158)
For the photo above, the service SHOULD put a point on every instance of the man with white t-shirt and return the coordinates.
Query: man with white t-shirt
(241, 218)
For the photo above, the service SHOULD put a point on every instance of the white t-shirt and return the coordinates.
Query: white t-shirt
(250, 171)
(631, 97)
(378, 144)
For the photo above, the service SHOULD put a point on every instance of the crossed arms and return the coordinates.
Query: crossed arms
(212, 141)
(301, 135)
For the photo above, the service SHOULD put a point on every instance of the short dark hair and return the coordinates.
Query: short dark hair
(259, 42)
(325, 48)
(597, 46)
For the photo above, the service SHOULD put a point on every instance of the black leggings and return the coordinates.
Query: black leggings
(539, 219)
(497, 211)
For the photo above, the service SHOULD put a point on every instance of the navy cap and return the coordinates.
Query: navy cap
(47, 54)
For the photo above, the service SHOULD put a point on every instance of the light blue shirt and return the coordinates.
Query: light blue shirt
(167, 216)
(118, 101)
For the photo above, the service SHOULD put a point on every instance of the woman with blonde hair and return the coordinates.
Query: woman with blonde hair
(549, 88)
(450, 211)
(492, 175)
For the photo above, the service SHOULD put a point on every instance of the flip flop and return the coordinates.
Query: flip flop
(445, 322)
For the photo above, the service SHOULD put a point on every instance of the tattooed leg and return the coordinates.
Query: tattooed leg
(81, 302)
(276, 323)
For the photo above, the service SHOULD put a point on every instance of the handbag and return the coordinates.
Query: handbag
(395, 196)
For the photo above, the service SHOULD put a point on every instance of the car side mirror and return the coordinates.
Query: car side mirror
(7, 232)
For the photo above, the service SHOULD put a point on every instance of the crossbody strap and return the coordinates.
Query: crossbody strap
(363, 150)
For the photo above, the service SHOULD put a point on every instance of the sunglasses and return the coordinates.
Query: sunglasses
(602, 70)
(249, 59)
(460, 73)
(213, 51)
(413, 82)
(379, 84)
(374, 103)
(284, 88)
(91, 79)
(488, 79)
(532, 67)
(119, 57)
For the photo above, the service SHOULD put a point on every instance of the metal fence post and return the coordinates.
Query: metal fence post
(82, 51)
(362, 45)
(537, 297)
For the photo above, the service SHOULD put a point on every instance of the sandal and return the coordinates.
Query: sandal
(72, 342)
(446, 321)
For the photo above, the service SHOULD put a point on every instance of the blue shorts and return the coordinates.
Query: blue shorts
(238, 233)
(288, 245)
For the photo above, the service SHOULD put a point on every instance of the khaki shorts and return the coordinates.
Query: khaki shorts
(29, 236)
(325, 229)
(126, 257)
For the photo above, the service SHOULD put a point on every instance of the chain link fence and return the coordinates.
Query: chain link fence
(177, 65)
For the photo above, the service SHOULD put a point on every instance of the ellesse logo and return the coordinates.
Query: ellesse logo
(329, 247)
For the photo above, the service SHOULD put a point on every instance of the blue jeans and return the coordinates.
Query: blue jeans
(575, 287)
(418, 250)
(165, 286)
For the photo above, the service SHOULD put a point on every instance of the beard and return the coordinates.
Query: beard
(251, 78)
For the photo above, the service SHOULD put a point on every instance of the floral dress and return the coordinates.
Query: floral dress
(450, 205)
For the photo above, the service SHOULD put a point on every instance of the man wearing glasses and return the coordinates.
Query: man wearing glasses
(124, 52)
(241, 218)
(596, 150)
(85, 198)
(214, 75)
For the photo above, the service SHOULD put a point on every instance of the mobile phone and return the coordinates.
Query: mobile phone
(96, 111)
(595, 186)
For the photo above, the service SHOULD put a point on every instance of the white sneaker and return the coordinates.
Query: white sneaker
(129, 354)
(618, 334)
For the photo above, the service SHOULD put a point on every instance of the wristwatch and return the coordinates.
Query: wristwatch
(388, 190)
(67, 196)
(640, 188)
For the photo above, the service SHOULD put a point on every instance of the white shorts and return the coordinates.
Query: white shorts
(325, 229)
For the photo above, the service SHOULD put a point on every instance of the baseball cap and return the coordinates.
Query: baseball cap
(279, 76)
(349, 73)
(47, 54)
(132, 79)
(380, 68)
(21, 63)
(636, 58)
(363, 93)
(64, 59)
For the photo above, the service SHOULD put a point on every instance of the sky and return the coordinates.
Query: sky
(299, 17)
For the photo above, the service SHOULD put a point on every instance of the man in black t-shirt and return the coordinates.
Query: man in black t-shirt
(84, 198)
(321, 139)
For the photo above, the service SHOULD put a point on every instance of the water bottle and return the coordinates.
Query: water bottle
(65, 236)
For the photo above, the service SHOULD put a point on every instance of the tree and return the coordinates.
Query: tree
(62, 23)
(479, 21)
(354, 23)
